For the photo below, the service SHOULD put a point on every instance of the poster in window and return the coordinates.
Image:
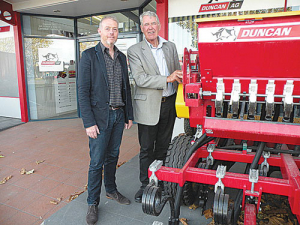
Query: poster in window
(49, 60)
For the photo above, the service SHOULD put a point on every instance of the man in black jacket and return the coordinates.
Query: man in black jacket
(105, 103)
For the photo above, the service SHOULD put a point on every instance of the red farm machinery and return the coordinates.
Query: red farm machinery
(241, 96)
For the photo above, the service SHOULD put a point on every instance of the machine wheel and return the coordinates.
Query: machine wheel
(150, 199)
(190, 131)
(175, 158)
(222, 209)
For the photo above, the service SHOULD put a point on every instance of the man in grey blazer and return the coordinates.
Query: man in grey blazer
(156, 70)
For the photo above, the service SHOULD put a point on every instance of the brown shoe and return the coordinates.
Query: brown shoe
(92, 215)
(117, 196)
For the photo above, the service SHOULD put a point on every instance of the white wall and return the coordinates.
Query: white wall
(10, 107)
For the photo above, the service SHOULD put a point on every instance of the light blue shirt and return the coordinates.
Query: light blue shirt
(159, 57)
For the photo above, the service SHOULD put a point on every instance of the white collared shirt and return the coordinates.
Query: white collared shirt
(159, 57)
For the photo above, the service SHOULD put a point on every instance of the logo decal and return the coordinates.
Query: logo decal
(214, 5)
(225, 33)
(268, 32)
(51, 59)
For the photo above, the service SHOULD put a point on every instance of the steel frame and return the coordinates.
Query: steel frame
(288, 186)
(240, 62)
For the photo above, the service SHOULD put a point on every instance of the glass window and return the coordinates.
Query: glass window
(48, 26)
(128, 22)
(8, 66)
(51, 78)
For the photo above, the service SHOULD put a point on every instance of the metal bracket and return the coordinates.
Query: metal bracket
(265, 163)
(219, 97)
(221, 170)
(270, 90)
(235, 96)
(253, 178)
(156, 165)
(288, 99)
(252, 98)
(198, 133)
(209, 158)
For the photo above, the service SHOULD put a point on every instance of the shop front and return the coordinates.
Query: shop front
(51, 49)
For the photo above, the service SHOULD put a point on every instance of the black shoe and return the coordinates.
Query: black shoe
(117, 196)
(138, 195)
(92, 215)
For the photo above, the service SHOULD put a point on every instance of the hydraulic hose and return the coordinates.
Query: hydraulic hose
(254, 164)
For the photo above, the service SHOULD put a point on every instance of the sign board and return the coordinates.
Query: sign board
(49, 60)
(5, 29)
(200, 7)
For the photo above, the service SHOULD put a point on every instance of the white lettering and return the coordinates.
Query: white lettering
(277, 32)
(286, 31)
(213, 7)
(245, 33)
(270, 32)
(253, 33)
(266, 32)
(261, 32)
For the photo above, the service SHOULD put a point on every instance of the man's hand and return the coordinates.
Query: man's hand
(92, 132)
(128, 125)
(175, 76)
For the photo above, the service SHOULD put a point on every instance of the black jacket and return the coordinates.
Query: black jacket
(93, 90)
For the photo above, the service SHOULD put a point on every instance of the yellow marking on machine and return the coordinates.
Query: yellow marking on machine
(181, 109)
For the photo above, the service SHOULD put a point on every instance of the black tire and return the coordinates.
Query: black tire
(177, 152)
(190, 131)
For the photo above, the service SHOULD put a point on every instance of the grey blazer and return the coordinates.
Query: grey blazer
(149, 82)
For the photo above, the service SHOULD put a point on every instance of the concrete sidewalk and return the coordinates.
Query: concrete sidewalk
(7, 122)
(112, 213)
(61, 148)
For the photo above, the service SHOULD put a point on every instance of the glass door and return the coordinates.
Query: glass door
(50, 63)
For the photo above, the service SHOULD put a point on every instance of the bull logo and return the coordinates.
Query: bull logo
(51, 57)
(225, 34)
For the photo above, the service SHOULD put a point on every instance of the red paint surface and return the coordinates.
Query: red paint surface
(20, 68)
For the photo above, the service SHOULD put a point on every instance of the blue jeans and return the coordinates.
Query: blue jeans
(104, 151)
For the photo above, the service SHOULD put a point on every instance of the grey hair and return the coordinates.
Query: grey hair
(150, 14)
(108, 17)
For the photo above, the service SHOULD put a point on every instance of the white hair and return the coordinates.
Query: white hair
(150, 14)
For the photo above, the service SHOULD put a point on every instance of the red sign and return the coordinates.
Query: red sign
(5, 29)
(48, 63)
(214, 7)
(269, 32)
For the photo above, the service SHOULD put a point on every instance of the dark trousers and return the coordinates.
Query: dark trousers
(154, 140)
(104, 152)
